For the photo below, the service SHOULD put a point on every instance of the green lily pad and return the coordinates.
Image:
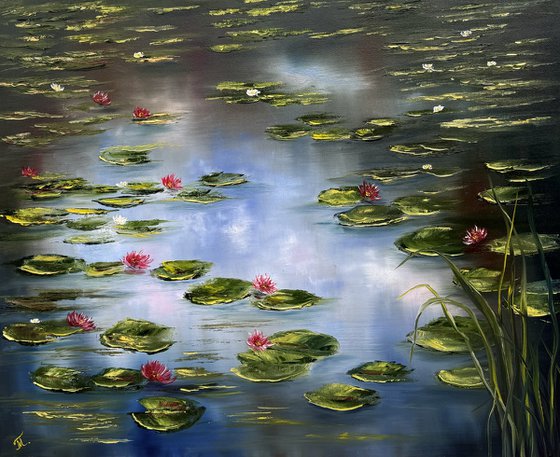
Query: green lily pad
(430, 240)
(335, 134)
(390, 175)
(269, 372)
(127, 155)
(536, 294)
(439, 335)
(51, 184)
(37, 303)
(120, 202)
(369, 133)
(43, 332)
(342, 397)
(524, 244)
(483, 279)
(305, 342)
(286, 300)
(220, 179)
(467, 378)
(287, 131)
(422, 205)
(36, 216)
(137, 335)
(506, 166)
(168, 414)
(51, 264)
(87, 223)
(505, 195)
(199, 195)
(382, 122)
(317, 119)
(195, 372)
(157, 118)
(88, 211)
(60, 379)
(423, 149)
(98, 269)
(371, 216)
(340, 196)
(139, 229)
(45, 194)
(275, 357)
(143, 188)
(118, 378)
(180, 270)
(90, 239)
(225, 48)
(99, 189)
(380, 371)
(218, 291)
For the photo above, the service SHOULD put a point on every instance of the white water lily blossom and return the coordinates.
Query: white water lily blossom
(57, 87)
(253, 92)
(119, 220)
(35, 320)
(138, 55)
(427, 166)
(491, 63)
(122, 184)
(438, 108)
(428, 66)
(466, 33)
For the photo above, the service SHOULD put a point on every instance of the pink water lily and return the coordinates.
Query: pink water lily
(264, 284)
(258, 342)
(29, 172)
(172, 182)
(156, 371)
(475, 235)
(137, 260)
(101, 98)
(75, 319)
(369, 191)
(140, 113)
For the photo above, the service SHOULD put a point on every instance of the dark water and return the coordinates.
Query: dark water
(272, 224)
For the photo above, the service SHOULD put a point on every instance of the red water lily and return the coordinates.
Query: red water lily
(172, 182)
(140, 113)
(258, 342)
(76, 319)
(475, 235)
(157, 372)
(101, 98)
(137, 260)
(29, 172)
(369, 191)
(264, 284)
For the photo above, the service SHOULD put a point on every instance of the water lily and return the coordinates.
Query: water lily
(264, 284)
(438, 108)
(491, 63)
(140, 113)
(427, 166)
(101, 98)
(119, 220)
(172, 182)
(253, 92)
(258, 342)
(29, 172)
(475, 235)
(35, 320)
(122, 184)
(156, 371)
(369, 191)
(428, 67)
(138, 55)
(137, 260)
(57, 87)
(76, 319)
(466, 33)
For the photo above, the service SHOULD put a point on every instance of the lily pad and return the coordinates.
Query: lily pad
(87, 223)
(536, 294)
(51, 264)
(143, 188)
(286, 300)
(168, 414)
(270, 372)
(287, 131)
(157, 118)
(88, 211)
(218, 291)
(467, 378)
(120, 202)
(380, 371)
(127, 155)
(180, 270)
(423, 149)
(382, 122)
(422, 205)
(137, 335)
(505, 195)
(440, 335)
(61, 379)
(483, 279)
(369, 133)
(36, 216)
(430, 240)
(118, 378)
(98, 269)
(317, 119)
(305, 342)
(371, 216)
(220, 179)
(90, 239)
(43, 332)
(340, 196)
(139, 228)
(506, 166)
(524, 244)
(342, 397)
(199, 195)
(195, 372)
(335, 134)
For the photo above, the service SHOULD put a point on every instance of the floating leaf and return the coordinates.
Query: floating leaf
(51, 264)
(380, 371)
(90, 239)
(197, 372)
(342, 397)
(269, 372)
(127, 155)
(287, 131)
(382, 122)
(98, 269)
(286, 300)
(305, 342)
(120, 202)
(316, 119)
(220, 179)
(143, 188)
(524, 244)
(36, 216)
(483, 279)
(87, 223)
(334, 134)
(199, 195)
(139, 228)
(60, 378)
(340, 196)
(432, 240)
(440, 335)
(87, 211)
(505, 195)
(218, 291)
(43, 332)
(423, 149)
(536, 296)
(157, 118)
(224, 48)
(137, 335)
(371, 216)
(168, 414)
(467, 378)
(507, 166)
(421, 205)
(180, 270)
(118, 378)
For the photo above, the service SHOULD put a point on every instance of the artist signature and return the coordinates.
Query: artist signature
(18, 442)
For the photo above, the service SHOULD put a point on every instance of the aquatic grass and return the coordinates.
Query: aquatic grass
(522, 374)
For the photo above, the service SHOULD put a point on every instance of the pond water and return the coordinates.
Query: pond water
(371, 68)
